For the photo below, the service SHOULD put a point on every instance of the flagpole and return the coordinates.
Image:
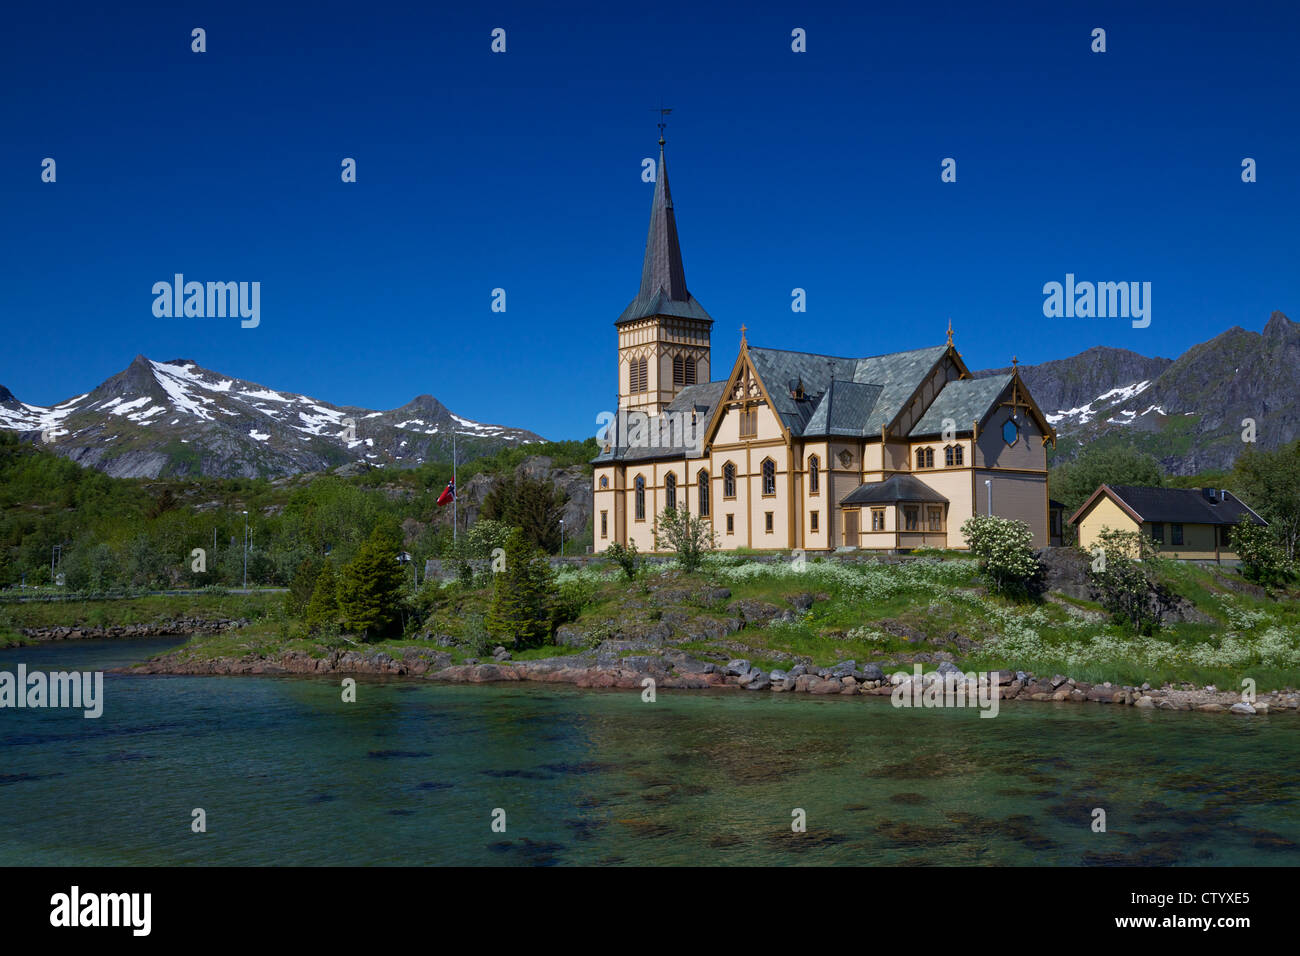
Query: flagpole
(455, 523)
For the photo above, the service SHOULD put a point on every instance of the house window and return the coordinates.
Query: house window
(703, 480)
(731, 523)
(935, 514)
(640, 498)
(767, 521)
(749, 423)
(925, 458)
(911, 518)
(604, 524)
(670, 490)
(1158, 532)
(1225, 535)
(1010, 432)
(814, 521)
(728, 480)
(814, 475)
(769, 476)
(1175, 534)
(877, 519)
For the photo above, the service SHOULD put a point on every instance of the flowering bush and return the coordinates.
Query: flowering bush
(1005, 550)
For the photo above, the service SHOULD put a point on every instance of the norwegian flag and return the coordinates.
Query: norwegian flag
(448, 494)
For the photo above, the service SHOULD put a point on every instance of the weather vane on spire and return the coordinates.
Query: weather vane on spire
(663, 111)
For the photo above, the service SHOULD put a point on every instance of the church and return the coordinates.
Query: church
(798, 450)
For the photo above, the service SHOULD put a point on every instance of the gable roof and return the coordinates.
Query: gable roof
(837, 383)
(663, 277)
(963, 401)
(1173, 505)
(895, 488)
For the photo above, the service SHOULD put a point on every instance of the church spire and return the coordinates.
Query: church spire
(663, 278)
(662, 270)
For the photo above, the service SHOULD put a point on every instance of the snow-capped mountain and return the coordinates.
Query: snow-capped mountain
(176, 418)
(1190, 412)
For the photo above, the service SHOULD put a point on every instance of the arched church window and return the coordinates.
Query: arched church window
(703, 480)
(670, 490)
(814, 475)
(728, 480)
(769, 476)
(639, 485)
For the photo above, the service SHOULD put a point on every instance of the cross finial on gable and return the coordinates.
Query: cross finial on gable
(742, 335)
(1014, 361)
(950, 331)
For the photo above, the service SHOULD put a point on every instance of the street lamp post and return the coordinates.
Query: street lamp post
(988, 487)
(245, 550)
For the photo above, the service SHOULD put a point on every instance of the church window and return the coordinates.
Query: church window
(703, 480)
(670, 490)
(952, 455)
(877, 519)
(683, 370)
(604, 524)
(935, 514)
(640, 498)
(639, 382)
(604, 481)
(769, 476)
(814, 475)
(767, 521)
(728, 480)
(731, 524)
(911, 517)
(925, 458)
(813, 521)
(1010, 432)
(749, 423)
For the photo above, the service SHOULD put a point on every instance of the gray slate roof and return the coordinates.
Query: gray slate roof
(1182, 505)
(698, 398)
(964, 401)
(894, 378)
(893, 489)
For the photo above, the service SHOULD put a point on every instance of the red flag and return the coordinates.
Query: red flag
(448, 494)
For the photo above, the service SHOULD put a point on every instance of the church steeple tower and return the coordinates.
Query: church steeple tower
(663, 334)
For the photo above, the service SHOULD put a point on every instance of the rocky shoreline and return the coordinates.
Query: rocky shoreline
(181, 626)
(676, 670)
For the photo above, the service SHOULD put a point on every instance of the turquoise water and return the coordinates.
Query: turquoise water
(411, 774)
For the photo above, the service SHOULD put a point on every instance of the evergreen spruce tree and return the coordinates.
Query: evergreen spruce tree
(371, 591)
(520, 612)
(322, 612)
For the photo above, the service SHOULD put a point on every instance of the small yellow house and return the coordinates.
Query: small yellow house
(1189, 523)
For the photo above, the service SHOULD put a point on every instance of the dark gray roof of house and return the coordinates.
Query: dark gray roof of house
(663, 278)
(963, 401)
(1183, 505)
(893, 377)
(892, 489)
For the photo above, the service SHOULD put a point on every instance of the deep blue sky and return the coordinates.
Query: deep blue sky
(818, 170)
